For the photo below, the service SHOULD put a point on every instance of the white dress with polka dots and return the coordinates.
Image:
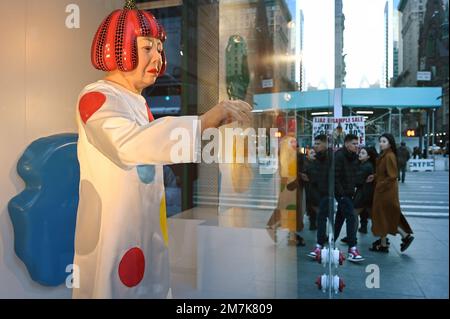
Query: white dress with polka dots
(121, 241)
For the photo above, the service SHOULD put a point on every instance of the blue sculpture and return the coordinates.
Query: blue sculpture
(44, 213)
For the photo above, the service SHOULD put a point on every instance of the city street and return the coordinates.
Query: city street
(425, 194)
(420, 272)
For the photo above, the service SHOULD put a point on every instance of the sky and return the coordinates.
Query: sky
(363, 41)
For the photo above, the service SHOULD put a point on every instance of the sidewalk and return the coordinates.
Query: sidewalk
(244, 263)
(420, 272)
(231, 254)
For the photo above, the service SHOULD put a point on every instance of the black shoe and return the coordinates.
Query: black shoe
(344, 240)
(379, 249)
(363, 229)
(378, 242)
(406, 242)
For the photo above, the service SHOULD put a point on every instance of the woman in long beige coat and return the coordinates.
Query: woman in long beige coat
(387, 217)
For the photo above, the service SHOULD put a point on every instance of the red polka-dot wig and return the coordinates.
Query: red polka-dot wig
(115, 43)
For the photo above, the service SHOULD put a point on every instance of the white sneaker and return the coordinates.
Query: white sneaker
(315, 254)
(354, 255)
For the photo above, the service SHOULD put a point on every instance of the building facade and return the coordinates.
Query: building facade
(412, 16)
(301, 40)
(396, 42)
(388, 60)
(433, 58)
(269, 57)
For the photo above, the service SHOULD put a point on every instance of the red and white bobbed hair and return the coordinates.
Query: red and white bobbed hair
(115, 43)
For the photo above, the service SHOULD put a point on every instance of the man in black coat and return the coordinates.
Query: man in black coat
(321, 179)
(317, 175)
(346, 166)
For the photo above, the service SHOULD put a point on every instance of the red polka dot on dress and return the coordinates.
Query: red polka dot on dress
(132, 267)
(89, 104)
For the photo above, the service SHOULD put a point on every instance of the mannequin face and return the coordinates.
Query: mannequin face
(149, 65)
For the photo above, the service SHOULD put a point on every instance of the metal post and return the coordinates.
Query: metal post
(400, 125)
(428, 134)
(339, 79)
(422, 124)
(433, 127)
(337, 102)
(390, 121)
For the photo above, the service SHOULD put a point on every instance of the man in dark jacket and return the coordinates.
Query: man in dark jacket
(346, 167)
(317, 176)
(403, 157)
(321, 184)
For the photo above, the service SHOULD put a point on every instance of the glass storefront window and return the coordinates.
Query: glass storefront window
(337, 186)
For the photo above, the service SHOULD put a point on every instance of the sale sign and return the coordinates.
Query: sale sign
(339, 127)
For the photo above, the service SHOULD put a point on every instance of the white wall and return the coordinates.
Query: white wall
(44, 65)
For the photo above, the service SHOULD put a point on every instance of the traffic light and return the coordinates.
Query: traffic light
(411, 133)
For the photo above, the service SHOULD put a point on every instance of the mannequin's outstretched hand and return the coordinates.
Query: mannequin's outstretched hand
(226, 112)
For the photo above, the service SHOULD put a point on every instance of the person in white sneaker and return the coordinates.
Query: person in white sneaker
(346, 169)
(318, 178)
(344, 188)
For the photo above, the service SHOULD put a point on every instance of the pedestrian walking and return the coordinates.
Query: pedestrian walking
(387, 218)
(403, 157)
(345, 168)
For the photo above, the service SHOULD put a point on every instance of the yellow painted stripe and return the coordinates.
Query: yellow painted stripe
(163, 220)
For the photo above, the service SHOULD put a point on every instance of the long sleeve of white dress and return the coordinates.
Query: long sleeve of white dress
(114, 131)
